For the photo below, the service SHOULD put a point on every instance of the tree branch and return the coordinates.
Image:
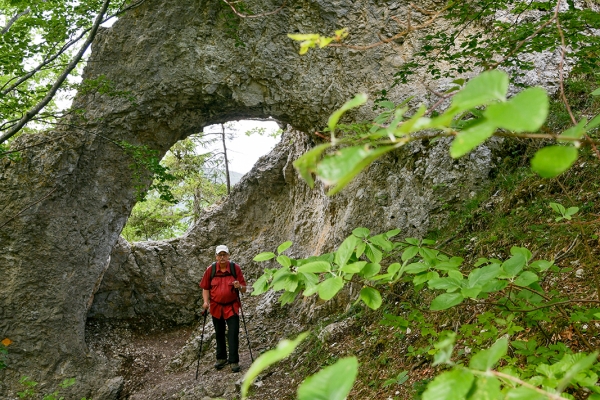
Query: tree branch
(14, 19)
(37, 108)
(236, 12)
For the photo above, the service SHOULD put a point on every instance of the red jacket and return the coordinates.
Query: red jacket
(224, 302)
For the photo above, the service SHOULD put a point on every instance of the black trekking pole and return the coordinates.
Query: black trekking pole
(201, 342)
(244, 321)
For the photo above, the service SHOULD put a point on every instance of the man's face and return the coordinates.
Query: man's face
(222, 257)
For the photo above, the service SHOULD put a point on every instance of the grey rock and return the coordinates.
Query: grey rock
(111, 389)
(63, 206)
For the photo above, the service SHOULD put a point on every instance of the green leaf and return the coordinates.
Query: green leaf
(481, 90)
(341, 167)
(284, 260)
(358, 100)
(264, 256)
(415, 268)
(409, 253)
(541, 265)
(260, 286)
(526, 279)
(307, 163)
(552, 161)
(373, 254)
(353, 268)
(370, 270)
(382, 242)
(471, 292)
(575, 132)
(523, 251)
(593, 123)
(315, 267)
(451, 385)
(392, 233)
(596, 92)
(286, 281)
(525, 112)
(445, 301)
(481, 276)
(329, 287)
(346, 249)
(487, 388)
(486, 359)
(300, 37)
(331, 383)
(288, 297)
(524, 393)
(470, 138)
(581, 364)
(283, 247)
(371, 297)
(284, 349)
(361, 232)
(447, 284)
(514, 265)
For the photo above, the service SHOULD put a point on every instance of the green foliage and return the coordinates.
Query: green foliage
(525, 112)
(512, 285)
(564, 213)
(331, 383)
(284, 349)
(310, 40)
(145, 162)
(505, 40)
(327, 274)
(39, 38)
(30, 392)
(191, 181)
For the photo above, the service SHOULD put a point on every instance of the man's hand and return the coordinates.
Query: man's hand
(205, 305)
(238, 286)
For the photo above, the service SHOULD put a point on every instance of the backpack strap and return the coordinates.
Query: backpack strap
(213, 270)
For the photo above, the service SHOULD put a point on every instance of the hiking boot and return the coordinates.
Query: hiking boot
(235, 367)
(220, 364)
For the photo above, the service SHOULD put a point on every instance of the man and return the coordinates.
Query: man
(220, 294)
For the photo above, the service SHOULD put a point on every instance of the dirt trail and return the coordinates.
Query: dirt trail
(160, 362)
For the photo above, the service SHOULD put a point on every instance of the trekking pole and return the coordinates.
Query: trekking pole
(201, 342)
(244, 321)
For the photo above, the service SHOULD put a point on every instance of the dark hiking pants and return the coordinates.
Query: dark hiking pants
(233, 335)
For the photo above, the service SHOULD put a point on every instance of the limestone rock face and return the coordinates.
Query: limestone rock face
(406, 190)
(167, 69)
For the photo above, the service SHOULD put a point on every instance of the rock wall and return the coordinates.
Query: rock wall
(409, 189)
(173, 68)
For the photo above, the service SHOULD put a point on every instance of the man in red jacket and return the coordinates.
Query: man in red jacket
(220, 294)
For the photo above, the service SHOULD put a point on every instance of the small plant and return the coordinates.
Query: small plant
(398, 380)
(564, 213)
(30, 392)
(4, 352)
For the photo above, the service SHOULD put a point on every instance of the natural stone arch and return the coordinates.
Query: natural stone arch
(177, 69)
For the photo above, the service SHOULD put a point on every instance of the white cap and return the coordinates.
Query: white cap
(221, 248)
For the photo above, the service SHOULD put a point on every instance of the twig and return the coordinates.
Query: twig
(254, 15)
(28, 207)
(561, 64)
(526, 384)
(405, 32)
(14, 19)
(58, 83)
(559, 256)
(522, 42)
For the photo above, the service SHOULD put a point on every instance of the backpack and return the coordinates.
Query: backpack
(213, 270)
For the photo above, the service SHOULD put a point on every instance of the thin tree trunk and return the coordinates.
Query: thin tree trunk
(226, 162)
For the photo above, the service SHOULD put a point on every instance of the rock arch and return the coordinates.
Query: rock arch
(173, 68)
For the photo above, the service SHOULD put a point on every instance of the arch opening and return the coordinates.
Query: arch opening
(204, 167)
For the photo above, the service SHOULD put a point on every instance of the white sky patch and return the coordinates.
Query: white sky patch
(243, 151)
